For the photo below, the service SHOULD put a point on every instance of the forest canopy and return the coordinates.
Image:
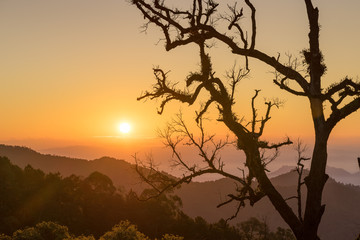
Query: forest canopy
(35, 203)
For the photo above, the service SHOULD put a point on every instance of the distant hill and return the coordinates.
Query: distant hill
(121, 172)
(282, 170)
(341, 219)
(339, 174)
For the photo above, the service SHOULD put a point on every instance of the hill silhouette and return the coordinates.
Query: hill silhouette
(121, 172)
(341, 219)
(339, 174)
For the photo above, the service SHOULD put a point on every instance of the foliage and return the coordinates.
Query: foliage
(82, 237)
(254, 229)
(89, 206)
(43, 231)
(4, 237)
(282, 234)
(124, 231)
(171, 237)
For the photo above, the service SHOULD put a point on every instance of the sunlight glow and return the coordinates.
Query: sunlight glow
(124, 127)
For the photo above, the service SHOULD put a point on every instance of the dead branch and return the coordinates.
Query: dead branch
(196, 26)
(301, 150)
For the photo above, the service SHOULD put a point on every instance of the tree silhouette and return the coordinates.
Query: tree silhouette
(197, 26)
(36, 205)
(43, 230)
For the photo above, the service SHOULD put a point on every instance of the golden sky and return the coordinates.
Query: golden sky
(73, 69)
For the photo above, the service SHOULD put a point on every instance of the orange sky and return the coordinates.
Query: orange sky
(72, 70)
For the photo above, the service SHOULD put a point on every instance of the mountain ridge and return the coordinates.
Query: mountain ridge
(201, 198)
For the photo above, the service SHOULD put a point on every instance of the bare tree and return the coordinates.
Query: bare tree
(196, 26)
(300, 149)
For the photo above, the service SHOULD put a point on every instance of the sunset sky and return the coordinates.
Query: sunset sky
(71, 70)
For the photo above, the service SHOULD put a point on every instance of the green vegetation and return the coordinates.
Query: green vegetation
(124, 231)
(252, 229)
(39, 206)
(43, 230)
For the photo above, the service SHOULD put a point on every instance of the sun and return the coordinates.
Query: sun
(124, 127)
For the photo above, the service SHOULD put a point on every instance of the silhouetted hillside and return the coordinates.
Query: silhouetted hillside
(339, 174)
(343, 176)
(282, 170)
(90, 206)
(341, 219)
(121, 172)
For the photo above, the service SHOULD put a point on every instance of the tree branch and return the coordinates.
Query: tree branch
(339, 114)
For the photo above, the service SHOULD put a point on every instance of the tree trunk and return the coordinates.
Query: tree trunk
(317, 178)
(255, 166)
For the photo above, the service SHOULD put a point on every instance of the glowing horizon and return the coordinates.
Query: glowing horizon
(75, 77)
